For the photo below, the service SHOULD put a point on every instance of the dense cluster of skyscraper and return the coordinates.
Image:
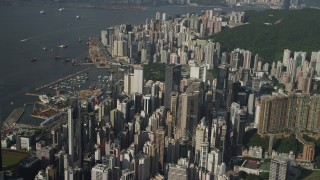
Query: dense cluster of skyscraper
(189, 126)
(156, 130)
(286, 4)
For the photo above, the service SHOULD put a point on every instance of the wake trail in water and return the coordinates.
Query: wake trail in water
(24, 40)
(65, 29)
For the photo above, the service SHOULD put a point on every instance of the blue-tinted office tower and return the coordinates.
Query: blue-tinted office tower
(75, 133)
(221, 89)
(172, 82)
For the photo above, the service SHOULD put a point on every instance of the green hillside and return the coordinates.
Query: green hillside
(295, 30)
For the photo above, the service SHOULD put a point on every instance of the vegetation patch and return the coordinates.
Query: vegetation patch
(154, 71)
(269, 32)
(11, 158)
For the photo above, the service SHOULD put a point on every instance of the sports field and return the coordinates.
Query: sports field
(10, 158)
(309, 175)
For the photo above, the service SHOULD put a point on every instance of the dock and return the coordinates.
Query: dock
(13, 117)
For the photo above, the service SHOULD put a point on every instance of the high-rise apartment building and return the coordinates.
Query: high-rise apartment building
(272, 113)
(291, 111)
(314, 113)
(177, 172)
(201, 134)
(303, 104)
(286, 57)
(209, 54)
(295, 111)
(138, 80)
(100, 172)
(278, 168)
(128, 83)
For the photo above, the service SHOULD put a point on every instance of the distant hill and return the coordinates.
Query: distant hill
(288, 29)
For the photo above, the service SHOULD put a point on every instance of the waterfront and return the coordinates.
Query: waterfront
(19, 75)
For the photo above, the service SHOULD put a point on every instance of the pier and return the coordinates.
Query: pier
(98, 53)
(13, 117)
(62, 79)
(32, 94)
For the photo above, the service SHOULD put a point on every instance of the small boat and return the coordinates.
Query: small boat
(33, 59)
(42, 12)
(67, 60)
(77, 17)
(45, 48)
(79, 39)
(62, 46)
(57, 57)
(61, 9)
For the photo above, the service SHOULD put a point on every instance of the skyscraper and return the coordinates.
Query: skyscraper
(71, 129)
(247, 59)
(201, 134)
(188, 115)
(75, 127)
(160, 135)
(209, 54)
(286, 57)
(221, 89)
(138, 80)
(172, 81)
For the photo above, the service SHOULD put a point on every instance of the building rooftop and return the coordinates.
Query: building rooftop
(29, 161)
(251, 164)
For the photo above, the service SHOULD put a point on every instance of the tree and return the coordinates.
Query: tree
(285, 145)
(253, 177)
(269, 41)
(243, 174)
(154, 71)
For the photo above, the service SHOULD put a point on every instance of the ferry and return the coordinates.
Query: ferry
(42, 12)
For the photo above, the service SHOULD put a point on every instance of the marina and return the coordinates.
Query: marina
(62, 79)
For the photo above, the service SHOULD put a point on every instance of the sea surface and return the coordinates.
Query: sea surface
(24, 32)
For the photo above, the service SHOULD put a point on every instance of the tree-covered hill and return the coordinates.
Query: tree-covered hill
(269, 32)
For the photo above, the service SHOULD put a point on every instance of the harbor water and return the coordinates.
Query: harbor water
(25, 33)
